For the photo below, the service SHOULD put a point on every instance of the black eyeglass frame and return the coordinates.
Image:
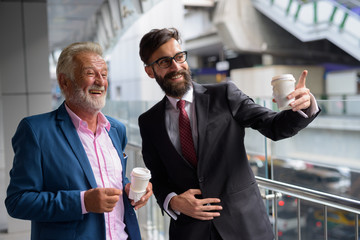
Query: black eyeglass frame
(170, 58)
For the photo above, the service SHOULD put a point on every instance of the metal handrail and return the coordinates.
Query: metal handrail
(346, 204)
(301, 193)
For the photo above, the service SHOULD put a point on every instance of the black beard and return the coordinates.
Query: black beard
(174, 89)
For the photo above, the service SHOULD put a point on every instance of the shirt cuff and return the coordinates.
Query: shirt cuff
(173, 214)
(311, 110)
(83, 209)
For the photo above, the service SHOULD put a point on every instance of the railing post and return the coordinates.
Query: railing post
(288, 7)
(325, 223)
(333, 14)
(297, 11)
(315, 13)
(357, 227)
(275, 214)
(299, 218)
(342, 25)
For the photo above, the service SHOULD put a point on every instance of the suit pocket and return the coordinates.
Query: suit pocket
(58, 231)
(246, 208)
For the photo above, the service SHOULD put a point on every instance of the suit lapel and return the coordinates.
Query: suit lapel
(162, 125)
(68, 129)
(202, 110)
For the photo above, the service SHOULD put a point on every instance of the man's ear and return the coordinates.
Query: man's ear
(149, 71)
(63, 81)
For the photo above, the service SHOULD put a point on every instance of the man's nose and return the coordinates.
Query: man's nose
(175, 65)
(100, 79)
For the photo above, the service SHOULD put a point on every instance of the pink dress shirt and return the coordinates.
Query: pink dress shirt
(106, 165)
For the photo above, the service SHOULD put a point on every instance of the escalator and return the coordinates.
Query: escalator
(336, 21)
(243, 28)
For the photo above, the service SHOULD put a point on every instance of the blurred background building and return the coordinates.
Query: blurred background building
(245, 41)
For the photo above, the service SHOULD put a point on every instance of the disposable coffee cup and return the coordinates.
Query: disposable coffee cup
(139, 180)
(283, 85)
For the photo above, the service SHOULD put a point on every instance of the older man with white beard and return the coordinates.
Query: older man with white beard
(68, 175)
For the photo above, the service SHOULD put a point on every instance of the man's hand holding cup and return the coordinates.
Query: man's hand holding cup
(140, 189)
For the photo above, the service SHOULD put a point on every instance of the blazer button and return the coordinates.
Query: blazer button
(201, 179)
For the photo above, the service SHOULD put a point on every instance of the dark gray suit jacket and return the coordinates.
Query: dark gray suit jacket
(223, 112)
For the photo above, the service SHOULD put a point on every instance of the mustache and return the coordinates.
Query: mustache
(171, 74)
(95, 87)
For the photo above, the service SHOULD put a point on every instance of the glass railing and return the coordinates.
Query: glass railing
(322, 158)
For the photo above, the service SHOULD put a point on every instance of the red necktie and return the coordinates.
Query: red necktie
(186, 140)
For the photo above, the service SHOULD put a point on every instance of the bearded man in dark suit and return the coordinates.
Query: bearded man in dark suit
(215, 195)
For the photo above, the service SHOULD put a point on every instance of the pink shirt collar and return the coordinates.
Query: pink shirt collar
(102, 120)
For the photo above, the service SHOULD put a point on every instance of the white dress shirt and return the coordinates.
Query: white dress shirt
(172, 127)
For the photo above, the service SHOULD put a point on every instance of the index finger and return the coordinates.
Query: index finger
(209, 200)
(194, 191)
(146, 196)
(112, 191)
(302, 79)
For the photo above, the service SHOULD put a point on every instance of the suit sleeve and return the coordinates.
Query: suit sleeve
(25, 196)
(274, 125)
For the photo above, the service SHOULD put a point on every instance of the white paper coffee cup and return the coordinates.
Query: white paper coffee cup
(139, 181)
(283, 85)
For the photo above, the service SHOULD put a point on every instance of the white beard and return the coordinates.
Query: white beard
(85, 100)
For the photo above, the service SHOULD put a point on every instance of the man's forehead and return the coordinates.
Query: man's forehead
(88, 59)
(168, 49)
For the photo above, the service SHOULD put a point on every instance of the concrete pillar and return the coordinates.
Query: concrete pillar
(24, 78)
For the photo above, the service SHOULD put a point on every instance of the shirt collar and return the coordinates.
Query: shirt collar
(102, 120)
(188, 97)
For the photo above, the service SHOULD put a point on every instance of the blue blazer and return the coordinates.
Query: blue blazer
(49, 171)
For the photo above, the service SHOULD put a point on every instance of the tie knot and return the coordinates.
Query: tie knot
(181, 104)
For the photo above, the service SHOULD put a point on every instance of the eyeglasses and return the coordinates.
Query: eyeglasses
(166, 62)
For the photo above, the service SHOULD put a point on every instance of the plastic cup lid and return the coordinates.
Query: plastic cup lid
(283, 77)
(141, 173)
